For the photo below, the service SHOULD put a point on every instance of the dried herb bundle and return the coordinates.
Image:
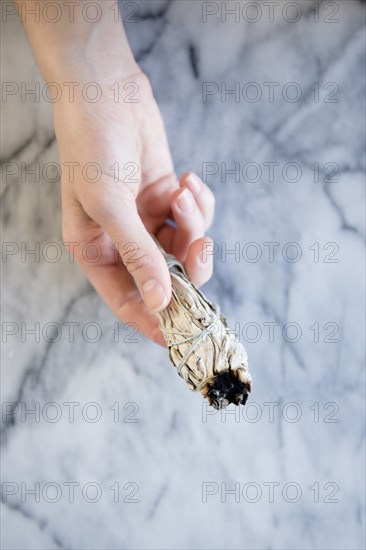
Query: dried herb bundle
(203, 349)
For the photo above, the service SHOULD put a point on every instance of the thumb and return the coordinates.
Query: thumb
(138, 251)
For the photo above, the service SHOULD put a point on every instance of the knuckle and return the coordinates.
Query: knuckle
(109, 203)
(136, 260)
(72, 244)
(68, 236)
(93, 204)
(125, 310)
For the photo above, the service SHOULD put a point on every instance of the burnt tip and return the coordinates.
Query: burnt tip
(226, 389)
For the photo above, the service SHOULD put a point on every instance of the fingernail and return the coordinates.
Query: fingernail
(194, 183)
(154, 295)
(185, 202)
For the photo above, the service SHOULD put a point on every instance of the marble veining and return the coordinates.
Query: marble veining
(164, 446)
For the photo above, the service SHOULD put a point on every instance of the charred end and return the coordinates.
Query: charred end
(226, 389)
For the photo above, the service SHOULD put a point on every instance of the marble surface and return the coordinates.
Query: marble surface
(152, 472)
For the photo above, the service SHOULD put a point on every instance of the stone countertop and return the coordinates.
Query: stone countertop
(267, 105)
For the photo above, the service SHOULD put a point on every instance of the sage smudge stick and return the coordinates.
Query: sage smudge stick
(201, 346)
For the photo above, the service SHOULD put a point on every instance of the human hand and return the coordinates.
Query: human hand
(135, 194)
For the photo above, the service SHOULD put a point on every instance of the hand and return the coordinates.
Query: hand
(120, 210)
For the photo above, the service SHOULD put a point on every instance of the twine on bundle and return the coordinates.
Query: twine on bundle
(214, 362)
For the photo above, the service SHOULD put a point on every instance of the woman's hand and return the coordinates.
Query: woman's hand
(118, 187)
(118, 180)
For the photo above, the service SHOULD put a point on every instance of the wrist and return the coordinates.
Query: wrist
(75, 48)
(91, 60)
(80, 70)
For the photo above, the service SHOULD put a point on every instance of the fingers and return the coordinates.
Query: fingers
(105, 271)
(112, 219)
(165, 198)
(117, 214)
(189, 220)
(193, 208)
(155, 199)
(114, 285)
(199, 264)
(202, 194)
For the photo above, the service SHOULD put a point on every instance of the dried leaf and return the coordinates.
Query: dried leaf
(202, 348)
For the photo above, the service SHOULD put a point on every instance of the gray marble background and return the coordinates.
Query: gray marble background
(141, 471)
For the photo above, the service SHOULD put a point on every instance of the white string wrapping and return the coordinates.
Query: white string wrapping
(200, 343)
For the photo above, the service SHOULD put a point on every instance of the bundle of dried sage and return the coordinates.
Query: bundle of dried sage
(202, 348)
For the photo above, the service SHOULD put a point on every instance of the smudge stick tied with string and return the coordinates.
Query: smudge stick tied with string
(202, 348)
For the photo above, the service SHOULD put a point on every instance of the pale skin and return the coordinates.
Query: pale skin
(119, 215)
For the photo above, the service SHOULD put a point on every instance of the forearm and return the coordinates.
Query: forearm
(73, 46)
